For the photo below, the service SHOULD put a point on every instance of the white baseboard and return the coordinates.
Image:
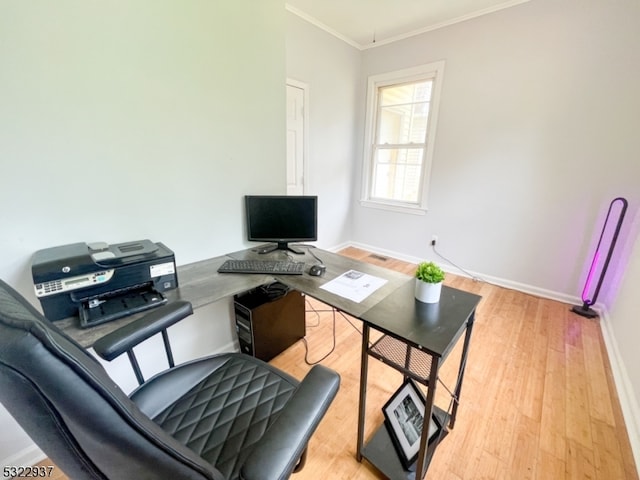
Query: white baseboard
(339, 247)
(27, 456)
(628, 401)
(232, 346)
(501, 282)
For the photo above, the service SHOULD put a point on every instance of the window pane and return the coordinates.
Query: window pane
(397, 174)
(407, 93)
(403, 124)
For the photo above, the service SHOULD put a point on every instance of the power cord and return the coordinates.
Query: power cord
(306, 345)
(310, 250)
(317, 315)
(475, 278)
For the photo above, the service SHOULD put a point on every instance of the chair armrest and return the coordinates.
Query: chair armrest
(125, 338)
(277, 452)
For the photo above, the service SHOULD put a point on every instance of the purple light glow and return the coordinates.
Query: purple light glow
(587, 284)
(606, 243)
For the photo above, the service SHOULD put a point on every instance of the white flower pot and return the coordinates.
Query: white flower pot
(428, 292)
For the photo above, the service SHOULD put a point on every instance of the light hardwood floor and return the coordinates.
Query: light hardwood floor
(538, 400)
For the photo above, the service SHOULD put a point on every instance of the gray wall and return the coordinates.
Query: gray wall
(136, 119)
(536, 135)
(331, 70)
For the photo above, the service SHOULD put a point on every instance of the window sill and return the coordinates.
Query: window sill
(393, 207)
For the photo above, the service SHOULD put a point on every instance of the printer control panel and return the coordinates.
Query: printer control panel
(73, 283)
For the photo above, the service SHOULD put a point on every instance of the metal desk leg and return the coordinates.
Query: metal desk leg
(426, 451)
(463, 364)
(364, 367)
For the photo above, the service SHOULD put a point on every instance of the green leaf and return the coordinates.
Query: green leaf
(429, 272)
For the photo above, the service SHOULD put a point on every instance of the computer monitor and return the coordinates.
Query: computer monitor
(281, 220)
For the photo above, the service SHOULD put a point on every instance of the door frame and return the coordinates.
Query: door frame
(305, 131)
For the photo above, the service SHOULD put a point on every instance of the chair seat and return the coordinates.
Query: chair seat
(224, 406)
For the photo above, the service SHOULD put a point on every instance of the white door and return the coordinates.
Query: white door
(295, 139)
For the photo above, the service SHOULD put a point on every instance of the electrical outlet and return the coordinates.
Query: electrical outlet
(434, 240)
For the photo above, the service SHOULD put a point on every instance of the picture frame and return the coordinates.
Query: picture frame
(404, 418)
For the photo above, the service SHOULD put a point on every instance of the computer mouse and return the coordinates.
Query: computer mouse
(317, 270)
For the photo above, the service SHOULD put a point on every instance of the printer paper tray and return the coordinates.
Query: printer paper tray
(114, 307)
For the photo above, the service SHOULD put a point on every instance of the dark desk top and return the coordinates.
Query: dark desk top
(433, 327)
(336, 265)
(201, 284)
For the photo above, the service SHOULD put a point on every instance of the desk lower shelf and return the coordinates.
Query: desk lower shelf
(382, 454)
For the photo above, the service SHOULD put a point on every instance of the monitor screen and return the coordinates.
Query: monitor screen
(281, 219)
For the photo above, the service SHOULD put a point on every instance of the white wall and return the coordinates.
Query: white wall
(331, 69)
(623, 329)
(537, 133)
(136, 119)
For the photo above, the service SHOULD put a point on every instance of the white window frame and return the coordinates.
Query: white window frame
(432, 71)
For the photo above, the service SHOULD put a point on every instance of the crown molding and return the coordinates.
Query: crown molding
(413, 33)
(322, 26)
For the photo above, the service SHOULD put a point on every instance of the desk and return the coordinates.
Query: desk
(424, 332)
(201, 284)
(417, 339)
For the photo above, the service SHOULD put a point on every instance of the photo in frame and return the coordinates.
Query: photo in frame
(404, 418)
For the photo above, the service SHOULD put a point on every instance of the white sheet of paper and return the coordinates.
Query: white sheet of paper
(354, 285)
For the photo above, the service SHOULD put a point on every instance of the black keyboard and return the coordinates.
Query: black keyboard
(280, 267)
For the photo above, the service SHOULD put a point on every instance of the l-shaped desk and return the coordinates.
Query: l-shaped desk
(416, 340)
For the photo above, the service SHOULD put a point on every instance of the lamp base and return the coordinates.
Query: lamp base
(585, 311)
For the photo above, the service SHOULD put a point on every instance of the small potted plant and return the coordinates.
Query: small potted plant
(429, 277)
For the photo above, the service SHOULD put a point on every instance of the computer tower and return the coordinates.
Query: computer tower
(269, 319)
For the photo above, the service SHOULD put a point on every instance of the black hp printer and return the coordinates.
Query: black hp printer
(101, 282)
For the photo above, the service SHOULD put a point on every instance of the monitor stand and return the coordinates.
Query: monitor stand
(279, 246)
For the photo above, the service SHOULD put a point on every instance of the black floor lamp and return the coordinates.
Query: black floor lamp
(607, 243)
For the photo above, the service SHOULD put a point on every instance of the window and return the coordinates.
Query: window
(401, 124)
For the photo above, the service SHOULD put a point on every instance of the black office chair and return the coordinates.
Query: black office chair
(221, 417)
